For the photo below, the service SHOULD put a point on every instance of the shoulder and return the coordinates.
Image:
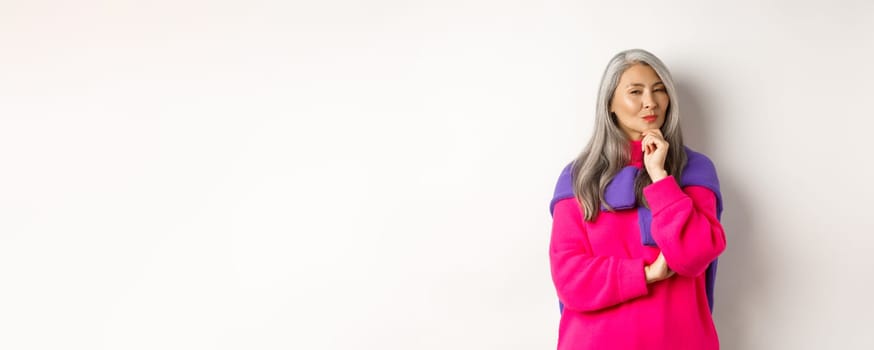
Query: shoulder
(698, 163)
(564, 186)
(566, 173)
(698, 159)
(700, 171)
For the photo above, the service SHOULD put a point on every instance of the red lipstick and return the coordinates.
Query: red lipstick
(650, 118)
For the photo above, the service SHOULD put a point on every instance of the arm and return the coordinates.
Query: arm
(586, 282)
(685, 226)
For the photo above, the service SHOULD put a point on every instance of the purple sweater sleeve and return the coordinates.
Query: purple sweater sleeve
(583, 281)
(685, 225)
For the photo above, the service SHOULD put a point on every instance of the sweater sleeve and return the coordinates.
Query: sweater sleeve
(685, 225)
(584, 281)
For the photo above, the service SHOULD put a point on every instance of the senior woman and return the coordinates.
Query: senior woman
(636, 231)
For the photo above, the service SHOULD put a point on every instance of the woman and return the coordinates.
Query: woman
(636, 229)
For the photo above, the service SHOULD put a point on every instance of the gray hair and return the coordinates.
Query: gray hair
(607, 151)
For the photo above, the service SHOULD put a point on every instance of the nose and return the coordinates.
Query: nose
(649, 102)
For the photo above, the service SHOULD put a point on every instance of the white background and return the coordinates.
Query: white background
(376, 175)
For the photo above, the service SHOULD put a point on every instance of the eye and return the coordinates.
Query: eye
(635, 92)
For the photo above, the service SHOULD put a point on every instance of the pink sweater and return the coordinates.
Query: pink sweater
(598, 271)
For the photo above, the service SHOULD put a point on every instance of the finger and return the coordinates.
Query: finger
(653, 142)
(649, 144)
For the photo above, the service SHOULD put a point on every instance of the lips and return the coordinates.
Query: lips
(649, 118)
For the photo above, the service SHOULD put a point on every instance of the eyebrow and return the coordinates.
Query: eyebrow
(639, 84)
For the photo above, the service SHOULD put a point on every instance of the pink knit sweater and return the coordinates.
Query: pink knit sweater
(598, 271)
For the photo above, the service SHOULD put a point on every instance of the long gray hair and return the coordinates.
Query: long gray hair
(607, 151)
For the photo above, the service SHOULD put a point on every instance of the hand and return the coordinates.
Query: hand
(658, 270)
(655, 150)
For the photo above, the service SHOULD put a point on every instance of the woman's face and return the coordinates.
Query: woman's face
(639, 96)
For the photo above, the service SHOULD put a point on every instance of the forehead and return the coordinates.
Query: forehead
(639, 74)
